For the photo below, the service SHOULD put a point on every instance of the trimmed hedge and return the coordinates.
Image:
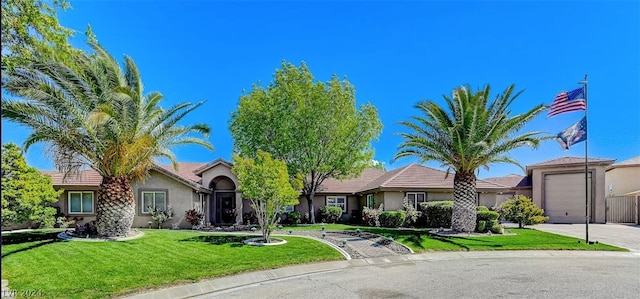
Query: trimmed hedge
(392, 219)
(481, 208)
(436, 213)
(487, 215)
(330, 214)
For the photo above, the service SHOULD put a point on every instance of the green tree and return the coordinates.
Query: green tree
(315, 127)
(30, 30)
(96, 115)
(265, 182)
(522, 210)
(475, 132)
(26, 193)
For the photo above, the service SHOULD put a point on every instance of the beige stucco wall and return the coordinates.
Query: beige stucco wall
(320, 200)
(393, 200)
(487, 199)
(597, 191)
(180, 198)
(622, 180)
(439, 196)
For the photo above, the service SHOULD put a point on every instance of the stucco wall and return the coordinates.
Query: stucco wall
(439, 196)
(222, 170)
(393, 200)
(597, 189)
(320, 200)
(180, 198)
(622, 180)
(487, 199)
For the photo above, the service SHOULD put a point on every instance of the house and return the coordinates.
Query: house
(623, 178)
(211, 187)
(558, 186)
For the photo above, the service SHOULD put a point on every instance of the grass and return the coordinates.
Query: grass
(160, 258)
(419, 240)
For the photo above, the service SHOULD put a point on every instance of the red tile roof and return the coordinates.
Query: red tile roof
(415, 176)
(351, 185)
(87, 177)
(185, 170)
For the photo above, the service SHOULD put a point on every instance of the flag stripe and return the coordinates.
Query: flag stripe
(573, 100)
(567, 107)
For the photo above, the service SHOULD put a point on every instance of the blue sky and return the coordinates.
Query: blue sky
(395, 53)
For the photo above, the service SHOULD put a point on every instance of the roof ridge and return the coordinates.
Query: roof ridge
(399, 171)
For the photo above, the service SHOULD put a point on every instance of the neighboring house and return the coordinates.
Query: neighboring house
(558, 187)
(623, 178)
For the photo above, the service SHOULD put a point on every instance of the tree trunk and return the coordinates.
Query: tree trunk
(464, 203)
(312, 216)
(116, 207)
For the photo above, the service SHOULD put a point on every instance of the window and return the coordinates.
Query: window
(80, 202)
(153, 200)
(371, 202)
(286, 209)
(415, 198)
(338, 201)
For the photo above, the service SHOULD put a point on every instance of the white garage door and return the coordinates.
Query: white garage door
(564, 200)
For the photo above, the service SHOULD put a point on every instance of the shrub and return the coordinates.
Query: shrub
(330, 214)
(497, 229)
(194, 216)
(411, 215)
(487, 215)
(392, 219)
(523, 211)
(292, 217)
(481, 208)
(161, 216)
(88, 228)
(249, 218)
(437, 213)
(481, 227)
(371, 216)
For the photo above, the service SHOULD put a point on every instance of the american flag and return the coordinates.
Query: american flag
(568, 101)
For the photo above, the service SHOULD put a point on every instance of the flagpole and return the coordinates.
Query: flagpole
(586, 167)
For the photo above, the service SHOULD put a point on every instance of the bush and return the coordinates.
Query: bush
(392, 219)
(523, 211)
(487, 215)
(411, 215)
(481, 208)
(194, 216)
(292, 217)
(371, 216)
(481, 227)
(249, 218)
(436, 213)
(330, 214)
(497, 229)
(161, 216)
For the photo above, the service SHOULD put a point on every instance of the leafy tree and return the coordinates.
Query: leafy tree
(522, 210)
(265, 182)
(93, 114)
(30, 30)
(473, 133)
(315, 127)
(26, 193)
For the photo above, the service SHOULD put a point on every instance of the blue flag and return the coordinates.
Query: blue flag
(574, 134)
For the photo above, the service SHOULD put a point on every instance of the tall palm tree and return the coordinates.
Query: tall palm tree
(94, 114)
(473, 133)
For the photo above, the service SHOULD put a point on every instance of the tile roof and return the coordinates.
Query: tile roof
(570, 161)
(351, 185)
(206, 166)
(420, 177)
(87, 177)
(186, 170)
(635, 161)
(511, 181)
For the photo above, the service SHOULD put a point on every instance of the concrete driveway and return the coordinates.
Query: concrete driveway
(621, 235)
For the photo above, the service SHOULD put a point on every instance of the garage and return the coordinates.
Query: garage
(564, 200)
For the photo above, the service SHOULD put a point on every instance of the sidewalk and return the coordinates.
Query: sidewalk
(248, 279)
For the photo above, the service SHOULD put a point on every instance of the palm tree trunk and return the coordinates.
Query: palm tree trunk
(463, 218)
(115, 208)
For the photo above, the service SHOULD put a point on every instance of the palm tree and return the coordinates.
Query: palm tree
(93, 114)
(473, 133)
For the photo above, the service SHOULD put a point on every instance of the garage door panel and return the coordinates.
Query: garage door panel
(564, 197)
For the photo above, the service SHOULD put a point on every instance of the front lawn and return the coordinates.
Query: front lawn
(160, 258)
(419, 240)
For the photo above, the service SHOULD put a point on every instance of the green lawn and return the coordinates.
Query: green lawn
(160, 258)
(521, 239)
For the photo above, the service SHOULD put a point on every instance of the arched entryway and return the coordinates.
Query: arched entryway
(222, 202)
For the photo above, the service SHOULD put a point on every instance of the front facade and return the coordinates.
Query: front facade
(557, 186)
(623, 178)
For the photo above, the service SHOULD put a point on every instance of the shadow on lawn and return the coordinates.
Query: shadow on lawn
(235, 241)
(42, 238)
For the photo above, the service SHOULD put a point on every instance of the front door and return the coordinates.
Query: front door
(224, 209)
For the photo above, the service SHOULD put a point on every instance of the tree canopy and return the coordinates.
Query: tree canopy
(26, 193)
(265, 182)
(315, 127)
(470, 132)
